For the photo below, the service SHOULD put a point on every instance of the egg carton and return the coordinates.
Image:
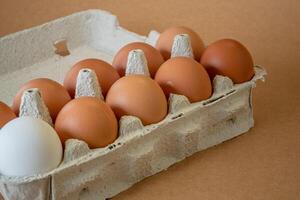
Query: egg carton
(50, 50)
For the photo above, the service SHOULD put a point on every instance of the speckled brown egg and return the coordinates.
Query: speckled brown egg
(184, 76)
(106, 74)
(153, 56)
(6, 114)
(140, 96)
(54, 95)
(88, 119)
(229, 58)
(166, 38)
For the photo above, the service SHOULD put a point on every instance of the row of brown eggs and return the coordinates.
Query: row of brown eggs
(95, 121)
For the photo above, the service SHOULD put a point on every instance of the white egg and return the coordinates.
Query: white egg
(28, 146)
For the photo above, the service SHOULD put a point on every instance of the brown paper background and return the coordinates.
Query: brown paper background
(261, 164)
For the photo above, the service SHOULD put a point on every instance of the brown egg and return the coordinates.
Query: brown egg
(88, 119)
(106, 74)
(54, 95)
(185, 76)
(6, 114)
(140, 96)
(153, 56)
(229, 58)
(166, 38)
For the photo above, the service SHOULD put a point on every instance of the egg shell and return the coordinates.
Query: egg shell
(139, 96)
(6, 114)
(166, 39)
(229, 58)
(153, 56)
(88, 119)
(28, 146)
(106, 74)
(54, 95)
(184, 76)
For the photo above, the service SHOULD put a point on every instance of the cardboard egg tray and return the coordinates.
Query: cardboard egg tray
(140, 151)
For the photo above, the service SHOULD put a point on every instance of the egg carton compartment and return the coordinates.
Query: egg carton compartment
(140, 151)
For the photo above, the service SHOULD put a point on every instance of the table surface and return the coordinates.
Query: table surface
(261, 164)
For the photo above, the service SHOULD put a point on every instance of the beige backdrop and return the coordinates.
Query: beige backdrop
(261, 164)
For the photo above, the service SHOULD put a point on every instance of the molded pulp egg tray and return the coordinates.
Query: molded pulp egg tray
(140, 151)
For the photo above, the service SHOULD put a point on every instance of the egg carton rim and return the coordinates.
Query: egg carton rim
(63, 18)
